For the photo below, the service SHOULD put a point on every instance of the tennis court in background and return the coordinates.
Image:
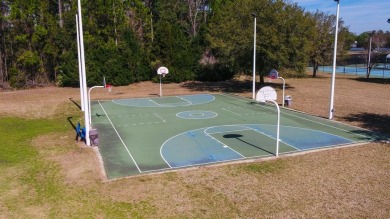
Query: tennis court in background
(146, 135)
(379, 70)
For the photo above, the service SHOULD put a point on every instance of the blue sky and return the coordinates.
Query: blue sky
(359, 15)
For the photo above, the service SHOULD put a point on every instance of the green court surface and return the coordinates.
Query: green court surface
(146, 135)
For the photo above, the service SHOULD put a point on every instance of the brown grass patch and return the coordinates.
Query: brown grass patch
(350, 182)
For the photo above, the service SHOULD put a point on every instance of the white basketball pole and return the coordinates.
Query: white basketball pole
(254, 59)
(284, 87)
(268, 94)
(277, 127)
(369, 55)
(89, 101)
(162, 71)
(80, 68)
(160, 87)
(331, 108)
(86, 111)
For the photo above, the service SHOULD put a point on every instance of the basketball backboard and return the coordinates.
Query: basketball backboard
(273, 74)
(162, 70)
(266, 93)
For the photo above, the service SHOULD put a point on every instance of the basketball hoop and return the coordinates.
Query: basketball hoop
(162, 71)
(273, 74)
(109, 87)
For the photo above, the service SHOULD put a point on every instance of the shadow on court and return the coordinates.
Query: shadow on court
(98, 115)
(231, 86)
(238, 137)
(372, 121)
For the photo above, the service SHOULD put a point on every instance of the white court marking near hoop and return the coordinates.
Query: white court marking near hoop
(196, 114)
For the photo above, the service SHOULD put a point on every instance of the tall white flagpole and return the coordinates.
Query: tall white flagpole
(331, 108)
(254, 60)
(80, 68)
(369, 55)
(86, 107)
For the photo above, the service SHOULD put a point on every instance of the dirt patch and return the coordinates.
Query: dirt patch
(79, 162)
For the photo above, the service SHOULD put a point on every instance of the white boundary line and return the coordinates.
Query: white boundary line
(210, 136)
(247, 128)
(315, 130)
(280, 139)
(230, 111)
(233, 130)
(323, 124)
(240, 159)
(203, 164)
(124, 145)
(160, 117)
(182, 97)
(212, 114)
(162, 146)
(215, 162)
(247, 159)
(298, 116)
(244, 158)
(131, 115)
(149, 99)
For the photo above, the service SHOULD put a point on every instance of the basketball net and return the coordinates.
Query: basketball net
(163, 72)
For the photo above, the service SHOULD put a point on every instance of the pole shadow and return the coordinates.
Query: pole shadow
(238, 137)
(379, 123)
(75, 103)
(75, 129)
(70, 122)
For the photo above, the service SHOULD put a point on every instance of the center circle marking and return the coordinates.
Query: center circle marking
(196, 114)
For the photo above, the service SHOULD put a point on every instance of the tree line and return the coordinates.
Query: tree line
(127, 40)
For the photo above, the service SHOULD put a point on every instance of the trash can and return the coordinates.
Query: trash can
(288, 100)
(94, 137)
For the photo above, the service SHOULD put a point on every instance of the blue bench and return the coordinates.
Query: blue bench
(80, 132)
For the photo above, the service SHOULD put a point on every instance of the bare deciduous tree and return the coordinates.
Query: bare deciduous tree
(194, 7)
(60, 13)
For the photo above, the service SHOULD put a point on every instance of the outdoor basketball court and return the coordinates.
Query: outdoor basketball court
(154, 134)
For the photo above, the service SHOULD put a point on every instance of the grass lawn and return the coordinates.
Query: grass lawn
(46, 174)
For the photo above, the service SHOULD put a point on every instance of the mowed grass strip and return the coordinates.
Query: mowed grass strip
(27, 177)
(16, 135)
(32, 182)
